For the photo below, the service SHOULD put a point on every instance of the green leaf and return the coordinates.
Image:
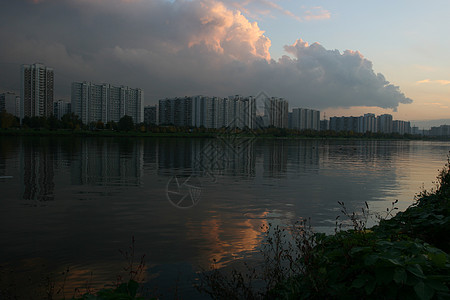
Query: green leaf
(416, 270)
(439, 259)
(370, 287)
(423, 291)
(384, 275)
(358, 283)
(394, 261)
(438, 286)
(370, 260)
(400, 276)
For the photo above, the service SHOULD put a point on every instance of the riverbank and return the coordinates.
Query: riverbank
(203, 133)
(99, 133)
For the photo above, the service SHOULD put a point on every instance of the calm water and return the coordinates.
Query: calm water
(74, 202)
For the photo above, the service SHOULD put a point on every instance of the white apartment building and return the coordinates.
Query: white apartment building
(10, 102)
(276, 112)
(105, 102)
(303, 118)
(36, 91)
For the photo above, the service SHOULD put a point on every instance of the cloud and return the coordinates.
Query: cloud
(181, 48)
(438, 104)
(439, 81)
(261, 8)
(317, 13)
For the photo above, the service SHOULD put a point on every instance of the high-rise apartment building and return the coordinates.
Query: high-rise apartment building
(176, 111)
(303, 118)
(60, 108)
(401, 127)
(105, 102)
(150, 115)
(276, 111)
(209, 112)
(384, 123)
(10, 102)
(368, 123)
(36, 91)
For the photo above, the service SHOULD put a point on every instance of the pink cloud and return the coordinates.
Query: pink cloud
(229, 32)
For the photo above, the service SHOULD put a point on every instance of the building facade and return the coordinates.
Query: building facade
(401, 127)
(10, 102)
(151, 115)
(384, 123)
(60, 108)
(303, 119)
(106, 103)
(209, 112)
(276, 111)
(36, 91)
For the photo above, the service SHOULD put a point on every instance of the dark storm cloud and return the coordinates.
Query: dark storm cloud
(180, 48)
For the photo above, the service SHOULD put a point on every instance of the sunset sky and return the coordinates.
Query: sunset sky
(342, 57)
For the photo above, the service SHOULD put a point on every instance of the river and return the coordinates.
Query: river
(74, 202)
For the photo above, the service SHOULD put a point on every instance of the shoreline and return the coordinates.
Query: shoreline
(309, 135)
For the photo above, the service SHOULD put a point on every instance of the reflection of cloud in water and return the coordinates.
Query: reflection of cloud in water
(38, 274)
(227, 238)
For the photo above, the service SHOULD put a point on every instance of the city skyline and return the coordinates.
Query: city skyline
(393, 64)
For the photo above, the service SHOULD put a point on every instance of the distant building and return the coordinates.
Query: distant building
(415, 130)
(36, 92)
(401, 127)
(241, 112)
(443, 130)
(368, 123)
(60, 108)
(10, 102)
(205, 112)
(208, 112)
(384, 123)
(276, 110)
(150, 115)
(344, 124)
(105, 102)
(176, 111)
(324, 125)
(303, 118)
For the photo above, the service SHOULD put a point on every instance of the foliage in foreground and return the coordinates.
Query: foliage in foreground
(404, 257)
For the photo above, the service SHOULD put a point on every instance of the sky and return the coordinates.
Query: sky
(342, 57)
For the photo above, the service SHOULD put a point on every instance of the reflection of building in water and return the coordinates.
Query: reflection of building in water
(305, 154)
(175, 155)
(226, 157)
(206, 157)
(150, 155)
(108, 162)
(275, 158)
(38, 173)
(365, 154)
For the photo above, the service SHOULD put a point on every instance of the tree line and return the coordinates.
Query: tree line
(71, 121)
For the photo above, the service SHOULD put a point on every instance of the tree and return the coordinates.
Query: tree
(126, 123)
(7, 120)
(100, 125)
(71, 121)
(53, 122)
